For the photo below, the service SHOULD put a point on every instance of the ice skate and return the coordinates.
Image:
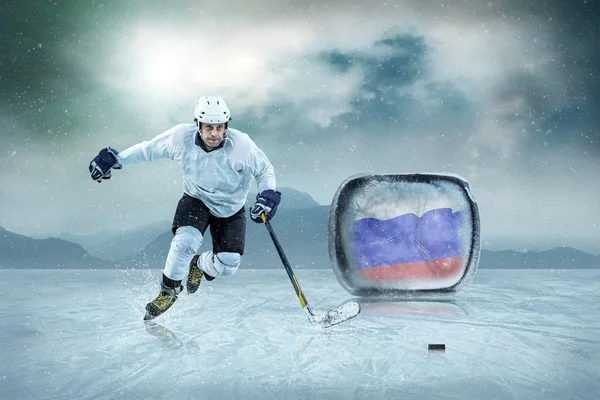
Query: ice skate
(163, 302)
(194, 276)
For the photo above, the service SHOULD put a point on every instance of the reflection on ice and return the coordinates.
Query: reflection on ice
(424, 308)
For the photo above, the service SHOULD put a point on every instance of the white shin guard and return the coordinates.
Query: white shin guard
(184, 247)
(219, 264)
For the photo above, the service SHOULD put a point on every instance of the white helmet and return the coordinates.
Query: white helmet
(211, 110)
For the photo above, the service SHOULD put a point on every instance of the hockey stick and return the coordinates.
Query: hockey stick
(332, 317)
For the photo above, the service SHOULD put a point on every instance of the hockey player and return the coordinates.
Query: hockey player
(218, 164)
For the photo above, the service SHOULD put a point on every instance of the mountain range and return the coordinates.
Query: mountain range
(301, 226)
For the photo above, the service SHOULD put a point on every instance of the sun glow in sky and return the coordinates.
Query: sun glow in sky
(162, 61)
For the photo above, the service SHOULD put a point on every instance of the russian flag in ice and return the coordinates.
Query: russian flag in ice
(409, 246)
(404, 234)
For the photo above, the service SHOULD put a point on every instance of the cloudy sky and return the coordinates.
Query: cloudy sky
(503, 93)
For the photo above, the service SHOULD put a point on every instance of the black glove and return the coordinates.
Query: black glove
(102, 164)
(266, 202)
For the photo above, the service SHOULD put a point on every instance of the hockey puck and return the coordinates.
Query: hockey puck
(436, 347)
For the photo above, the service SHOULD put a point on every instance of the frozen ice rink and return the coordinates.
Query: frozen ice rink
(511, 334)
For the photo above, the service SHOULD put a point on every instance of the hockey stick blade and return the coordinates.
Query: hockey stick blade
(333, 317)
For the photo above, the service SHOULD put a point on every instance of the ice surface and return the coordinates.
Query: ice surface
(511, 334)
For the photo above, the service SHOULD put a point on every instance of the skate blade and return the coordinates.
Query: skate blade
(191, 290)
(148, 316)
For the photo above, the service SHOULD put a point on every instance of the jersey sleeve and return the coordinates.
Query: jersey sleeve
(166, 145)
(262, 170)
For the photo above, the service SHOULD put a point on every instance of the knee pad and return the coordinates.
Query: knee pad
(230, 262)
(184, 246)
(219, 264)
(187, 240)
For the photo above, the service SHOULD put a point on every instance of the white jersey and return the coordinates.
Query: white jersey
(220, 178)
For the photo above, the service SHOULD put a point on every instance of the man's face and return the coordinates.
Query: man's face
(212, 134)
